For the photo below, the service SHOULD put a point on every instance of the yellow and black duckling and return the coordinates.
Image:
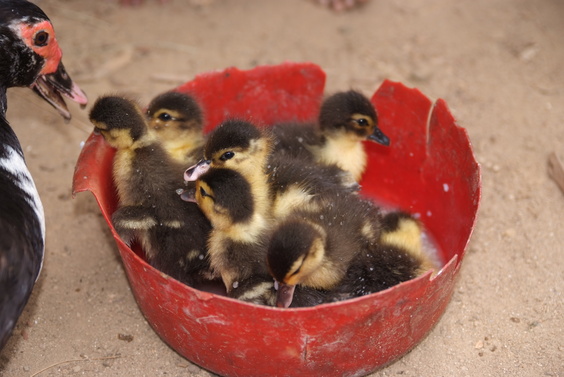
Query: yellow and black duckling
(172, 232)
(346, 250)
(346, 119)
(177, 118)
(233, 192)
(316, 248)
(239, 215)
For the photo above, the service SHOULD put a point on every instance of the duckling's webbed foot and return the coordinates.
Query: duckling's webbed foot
(129, 220)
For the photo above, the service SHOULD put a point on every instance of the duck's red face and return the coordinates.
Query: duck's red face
(52, 81)
(40, 37)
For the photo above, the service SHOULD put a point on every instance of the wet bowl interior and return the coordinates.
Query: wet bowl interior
(429, 169)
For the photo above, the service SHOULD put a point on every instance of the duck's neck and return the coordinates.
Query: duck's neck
(3, 101)
(7, 134)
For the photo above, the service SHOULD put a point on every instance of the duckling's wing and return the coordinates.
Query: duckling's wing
(295, 139)
(258, 289)
(129, 220)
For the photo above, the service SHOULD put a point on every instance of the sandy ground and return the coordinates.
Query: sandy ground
(498, 64)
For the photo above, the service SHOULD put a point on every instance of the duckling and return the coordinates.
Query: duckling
(316, 248)
(398, 257)
(172, 232)
(29, 56)
(178, 121)
(345, 120)
(310, 252)
(238, 212)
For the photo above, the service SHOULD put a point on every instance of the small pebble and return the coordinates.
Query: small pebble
(125, 337)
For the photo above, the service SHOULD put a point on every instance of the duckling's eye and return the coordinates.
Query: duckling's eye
(362, 122)
(297, 270)
(227, 156)
(204, 193)
(165, 116)
(41, 38)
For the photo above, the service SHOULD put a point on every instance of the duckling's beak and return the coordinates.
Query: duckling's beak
(194, 172)
(51, 86)
(187, 195)
(379, 137)
(284, 294)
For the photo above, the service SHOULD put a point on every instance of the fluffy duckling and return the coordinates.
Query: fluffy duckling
(172, 232)
(346, 119)
(178, 120)
(314, 253)
(398, 257)
(316, 248)
(238, 212)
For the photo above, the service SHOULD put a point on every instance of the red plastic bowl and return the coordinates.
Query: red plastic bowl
(428, 169)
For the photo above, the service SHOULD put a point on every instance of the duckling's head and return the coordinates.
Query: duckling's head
(352, 113)
(296, 250)
(119, 120)
(224, 196)
(174, 111)
(234, 144)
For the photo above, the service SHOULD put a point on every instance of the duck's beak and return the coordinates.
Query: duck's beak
(284, 294)
(188, 195)
(51, 87)
(195, 171)
(379, 137)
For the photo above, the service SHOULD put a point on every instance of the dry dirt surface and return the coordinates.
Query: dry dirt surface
(498, 64)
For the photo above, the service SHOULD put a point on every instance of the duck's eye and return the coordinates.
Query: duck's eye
(41, 38)
(165, 116)
(203, 192)
(362, 122)
(297, 271)
(227, 156)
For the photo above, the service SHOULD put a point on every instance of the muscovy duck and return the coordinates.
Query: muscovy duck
(29, 57)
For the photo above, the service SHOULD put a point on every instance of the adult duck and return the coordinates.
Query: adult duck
(29, 57)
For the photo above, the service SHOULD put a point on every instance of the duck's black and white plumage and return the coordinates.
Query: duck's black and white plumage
(29, 56)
